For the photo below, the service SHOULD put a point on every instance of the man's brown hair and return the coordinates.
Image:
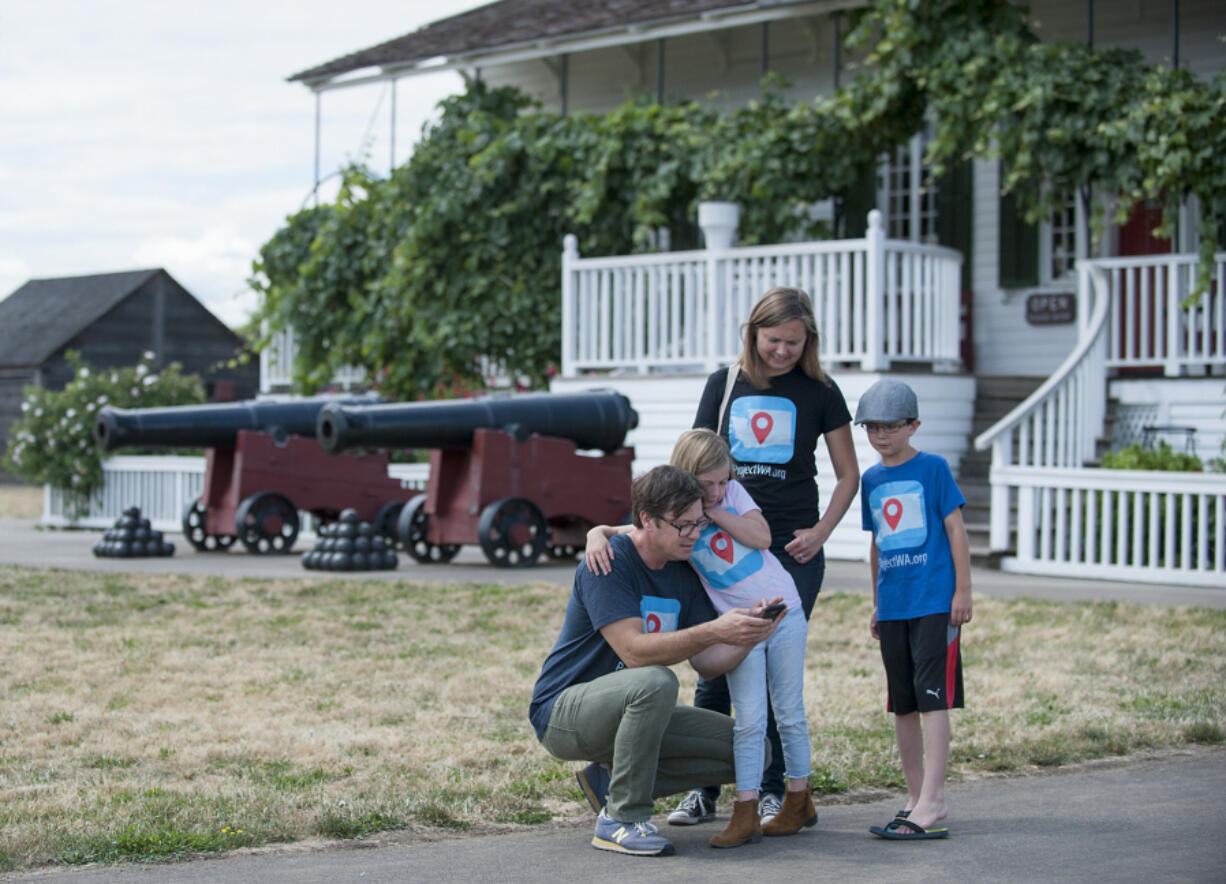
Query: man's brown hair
(663, 492)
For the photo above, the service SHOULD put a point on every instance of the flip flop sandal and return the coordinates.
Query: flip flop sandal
(900, 829)
(891, 825)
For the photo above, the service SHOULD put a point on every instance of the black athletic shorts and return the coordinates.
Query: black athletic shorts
(923, 665)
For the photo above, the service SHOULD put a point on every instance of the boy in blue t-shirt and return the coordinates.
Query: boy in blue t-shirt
(921, 567)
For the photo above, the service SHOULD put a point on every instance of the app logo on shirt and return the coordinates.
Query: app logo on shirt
(762, 429)
(721, 561)
(659, 615)
(898, 513)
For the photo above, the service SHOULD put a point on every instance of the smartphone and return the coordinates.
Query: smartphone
(770, 612)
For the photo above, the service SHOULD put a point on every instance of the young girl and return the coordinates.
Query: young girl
(737, 569)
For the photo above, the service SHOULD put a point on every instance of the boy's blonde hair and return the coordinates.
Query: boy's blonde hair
(701, 451)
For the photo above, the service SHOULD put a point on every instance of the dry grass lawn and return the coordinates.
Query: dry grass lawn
(158, 716)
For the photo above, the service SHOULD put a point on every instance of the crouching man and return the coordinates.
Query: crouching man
(605, 693)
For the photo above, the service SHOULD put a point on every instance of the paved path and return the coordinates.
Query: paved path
(23, 543)
(1148, 821)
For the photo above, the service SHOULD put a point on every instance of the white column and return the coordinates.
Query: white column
(719, 222)
(874, 292)
(570, 254)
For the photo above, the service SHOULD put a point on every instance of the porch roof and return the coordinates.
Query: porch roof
(517, 30)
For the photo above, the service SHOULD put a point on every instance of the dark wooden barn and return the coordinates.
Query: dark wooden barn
(112, 319)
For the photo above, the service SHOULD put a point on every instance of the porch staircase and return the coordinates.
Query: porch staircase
(995, 396)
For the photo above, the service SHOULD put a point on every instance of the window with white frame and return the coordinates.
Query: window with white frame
(1040, 254)
(907, 193)
(1061, 238)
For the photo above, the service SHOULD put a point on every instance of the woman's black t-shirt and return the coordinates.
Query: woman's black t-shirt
(773, 435)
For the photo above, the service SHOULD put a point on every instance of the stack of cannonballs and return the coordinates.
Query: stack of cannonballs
(131, 537)
(349, 544)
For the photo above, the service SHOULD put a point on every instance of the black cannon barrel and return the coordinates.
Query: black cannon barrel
(596, 419)
(209, 426)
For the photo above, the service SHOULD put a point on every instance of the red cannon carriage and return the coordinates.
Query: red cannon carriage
(514, 474)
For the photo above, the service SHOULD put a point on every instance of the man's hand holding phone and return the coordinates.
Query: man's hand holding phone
(772, 612)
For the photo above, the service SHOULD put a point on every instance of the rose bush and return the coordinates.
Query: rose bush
(53, 443)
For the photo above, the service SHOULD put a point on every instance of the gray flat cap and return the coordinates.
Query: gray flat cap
(885, 402)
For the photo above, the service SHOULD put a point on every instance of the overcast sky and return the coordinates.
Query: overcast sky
(148, 133)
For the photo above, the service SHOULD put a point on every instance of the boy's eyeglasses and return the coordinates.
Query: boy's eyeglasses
(687, 529)
(886, 429)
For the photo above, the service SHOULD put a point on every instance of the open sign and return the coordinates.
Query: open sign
(1058, 309)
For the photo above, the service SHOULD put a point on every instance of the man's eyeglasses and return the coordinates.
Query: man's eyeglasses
(687, 529)
(886, 429)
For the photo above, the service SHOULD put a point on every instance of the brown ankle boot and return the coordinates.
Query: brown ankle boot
(797, 812)
(743, 828)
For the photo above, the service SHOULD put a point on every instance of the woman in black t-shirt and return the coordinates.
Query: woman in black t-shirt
(772, 415)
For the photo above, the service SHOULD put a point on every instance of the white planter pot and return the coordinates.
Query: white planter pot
(719, 222)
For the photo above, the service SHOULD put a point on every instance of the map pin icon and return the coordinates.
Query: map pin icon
(892, 510)
(761, 424)
(721, 545)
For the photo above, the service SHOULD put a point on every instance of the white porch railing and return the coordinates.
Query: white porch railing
(277, 365)
(1150, 323)
(163, 487)
(1040, 448)
(877, 301)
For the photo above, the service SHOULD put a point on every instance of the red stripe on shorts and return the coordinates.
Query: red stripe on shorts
(951, 667)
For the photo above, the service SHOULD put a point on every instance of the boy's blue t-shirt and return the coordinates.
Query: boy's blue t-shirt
(905, 507)
(667, 599)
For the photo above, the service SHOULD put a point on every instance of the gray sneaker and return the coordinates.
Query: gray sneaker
(635, 839)
(694, 808)
(769, 805)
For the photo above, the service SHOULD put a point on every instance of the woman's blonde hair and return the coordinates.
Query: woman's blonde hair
(701, 451)
(779, 305)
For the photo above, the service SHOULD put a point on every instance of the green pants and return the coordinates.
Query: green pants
(630, 720)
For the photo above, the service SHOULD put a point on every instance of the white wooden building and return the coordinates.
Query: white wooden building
(977, 316)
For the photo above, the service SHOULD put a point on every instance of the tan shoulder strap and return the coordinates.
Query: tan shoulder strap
(734, 371)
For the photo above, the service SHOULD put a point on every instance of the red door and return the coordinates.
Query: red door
(1142, 325)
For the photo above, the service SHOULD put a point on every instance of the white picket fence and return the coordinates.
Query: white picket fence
(1134, 525)
(163, 487)
(1136, 314)
(876, 300)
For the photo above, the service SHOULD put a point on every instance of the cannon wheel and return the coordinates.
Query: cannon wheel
(387, 521)
(562, 552)
(411, 530)
(512, 532)
(193, 530)
(267, 523)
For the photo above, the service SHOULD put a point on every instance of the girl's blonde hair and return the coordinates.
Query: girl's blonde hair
(701, 451)
(779, 305)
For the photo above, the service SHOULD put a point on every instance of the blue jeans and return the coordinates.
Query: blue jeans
(713, 694)
(777, 663)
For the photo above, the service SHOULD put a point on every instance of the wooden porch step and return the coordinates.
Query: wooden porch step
(995, 396)
(981, 553)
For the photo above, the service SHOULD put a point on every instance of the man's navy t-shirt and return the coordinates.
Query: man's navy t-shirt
(666, 599)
